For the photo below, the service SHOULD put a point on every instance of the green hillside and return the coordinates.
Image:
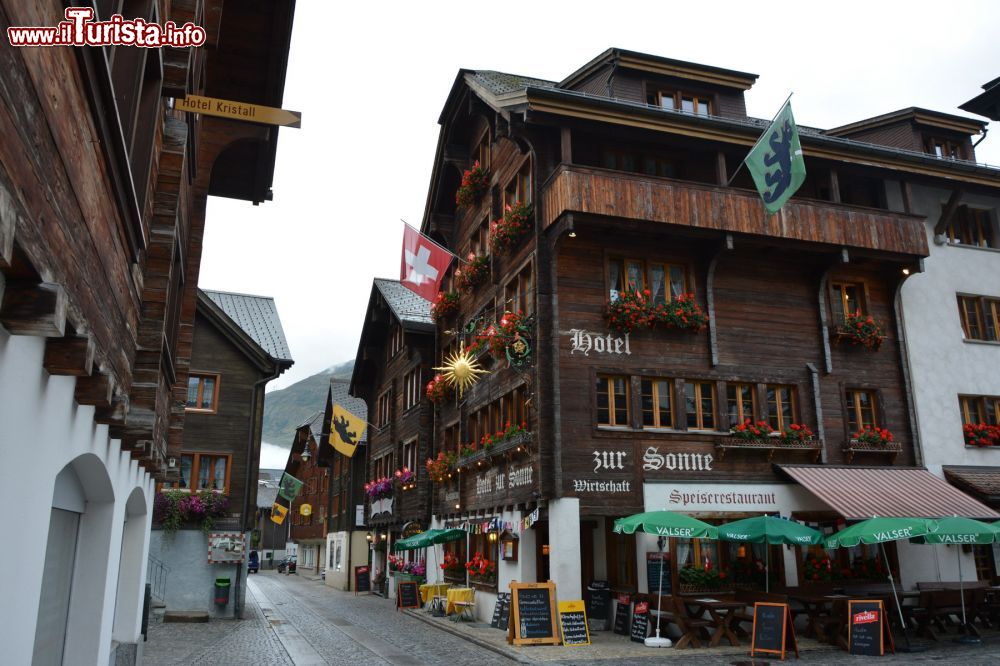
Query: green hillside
(287, 408)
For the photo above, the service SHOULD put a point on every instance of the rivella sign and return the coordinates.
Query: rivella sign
(254, 113)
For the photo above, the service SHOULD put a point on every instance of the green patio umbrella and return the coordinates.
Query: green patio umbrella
(958, 530)
(421, 540)
(878, 530)
(664, 524)
(772, 530)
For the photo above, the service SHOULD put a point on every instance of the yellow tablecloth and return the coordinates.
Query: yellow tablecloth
(430, 590)
(458, 594)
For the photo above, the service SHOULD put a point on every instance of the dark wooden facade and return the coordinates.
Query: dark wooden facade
(347, 475)
(315, 491)
(624, 179)
(103, 190)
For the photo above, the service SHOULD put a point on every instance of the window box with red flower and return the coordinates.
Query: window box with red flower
(439, 390)
(632, 309)
(513, 438)
(861, 331)
(482, 570)
(708, 579)
(759, 436)
(444, 306)
(475, 182)
(440, 469)
(981, 435)
(508, 231)
(872, 439)
(473, 274)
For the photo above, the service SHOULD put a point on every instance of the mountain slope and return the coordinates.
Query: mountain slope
(287, 408)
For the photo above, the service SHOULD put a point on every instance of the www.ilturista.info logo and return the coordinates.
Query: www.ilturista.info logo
(80, 29)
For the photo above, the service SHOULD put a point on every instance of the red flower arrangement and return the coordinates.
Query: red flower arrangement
(981, 434)
(450, 562)
(873, 436)
(817, 569)
(439, 469)
(506, 232)
(796, 433)
(862, 330)
(500, 336)
(510, 430)
(438, 390)
(633, 308)
(475, 181)
(750, 431)
(445, 305)
(474, 273)
(481, 567)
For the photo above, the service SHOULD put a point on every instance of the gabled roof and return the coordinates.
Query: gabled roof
(266, 496)
(935, 119)
(315, 425)
(501, 83)
(986, 103)
(258, 317)
(407, 306)
(646, 62)
(339, 395)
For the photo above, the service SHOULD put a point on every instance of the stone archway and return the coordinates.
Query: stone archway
(131, 569)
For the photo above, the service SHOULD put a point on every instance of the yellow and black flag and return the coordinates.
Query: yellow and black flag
(278, 513)
(346, 430)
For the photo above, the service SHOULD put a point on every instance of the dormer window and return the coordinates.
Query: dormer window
(698, 105)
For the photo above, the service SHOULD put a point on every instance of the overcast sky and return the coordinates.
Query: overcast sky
(371, 79)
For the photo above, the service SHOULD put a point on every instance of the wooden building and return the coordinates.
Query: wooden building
(103, 190)
(239, 346)
(391, 370)
(625, 177)
(308, 512)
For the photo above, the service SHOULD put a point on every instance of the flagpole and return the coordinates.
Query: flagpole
(742, 163)
(439, 246)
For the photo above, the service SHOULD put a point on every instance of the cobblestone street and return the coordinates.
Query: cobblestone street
(295, 620)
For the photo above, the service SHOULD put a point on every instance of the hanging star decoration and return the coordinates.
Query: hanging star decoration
(461, 371)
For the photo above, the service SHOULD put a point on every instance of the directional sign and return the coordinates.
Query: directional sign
(254, 113)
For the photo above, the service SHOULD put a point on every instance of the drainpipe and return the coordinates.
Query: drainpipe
(982, 138)
(237, 600)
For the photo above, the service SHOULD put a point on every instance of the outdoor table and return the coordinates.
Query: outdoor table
(430, 590)
(814, 604)
(723, 614)
(458, 594)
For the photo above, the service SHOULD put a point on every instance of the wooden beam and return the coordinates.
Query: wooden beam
(721, 172)
(71, 355)
(114, 413)
(97, 390)
(8, 225)
(907, 192)
(34, 309)
(949, 211)
(835, 186)
(566, 146)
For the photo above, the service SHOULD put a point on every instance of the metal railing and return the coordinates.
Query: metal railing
(156, 576)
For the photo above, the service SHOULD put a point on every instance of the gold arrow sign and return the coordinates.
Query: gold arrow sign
(254, 113)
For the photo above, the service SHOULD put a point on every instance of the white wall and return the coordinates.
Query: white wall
(42, 430)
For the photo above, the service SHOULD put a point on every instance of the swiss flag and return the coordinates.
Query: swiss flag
(423, 264)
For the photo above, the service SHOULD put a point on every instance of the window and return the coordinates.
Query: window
(410, 457)
(384, 409)
(980, 409)
(203, 393)
(518, 294)
(980, 317)
(699, 399)
(971, 226)
(781, 407)
(657, 403)
(479, 242)
(411, 388)
(482, 152)
(860, 410)
(664, 281)
(454, 559)
(519, 188)
(944, 148)
(612, 401)
(650, 165)
(847, 298)
(382, 466)
(396, 341)
(741, 403)
(203, 471)
(451, 439)
(699, 105)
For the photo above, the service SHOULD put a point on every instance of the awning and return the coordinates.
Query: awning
(858, 493)
(981, 482)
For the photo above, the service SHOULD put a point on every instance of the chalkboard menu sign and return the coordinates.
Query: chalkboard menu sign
(598, 600)
(640, 622)
(501, 611)
(655, 564)
(621, 617)
(868, 628)
(407, 595)
(534, 620)
(573, 622)
(362, 580)
(773, 632)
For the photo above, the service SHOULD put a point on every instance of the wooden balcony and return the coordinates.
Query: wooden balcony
(617, 194)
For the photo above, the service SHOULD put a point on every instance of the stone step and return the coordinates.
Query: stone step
(185, 616)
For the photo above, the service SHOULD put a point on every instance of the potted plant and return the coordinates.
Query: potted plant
(482, 570)
(682, 313)
(507, 232)
(981, 434)
(438, 390)
(633, 308)
(873, 437)
(817, 569)
(628, 311)
(439, 469)
(444, 306)
(173, 508)
(861, 330)
(693, 579)
(473, 274)
(475, 182)
(796, 433)
(749, 431)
